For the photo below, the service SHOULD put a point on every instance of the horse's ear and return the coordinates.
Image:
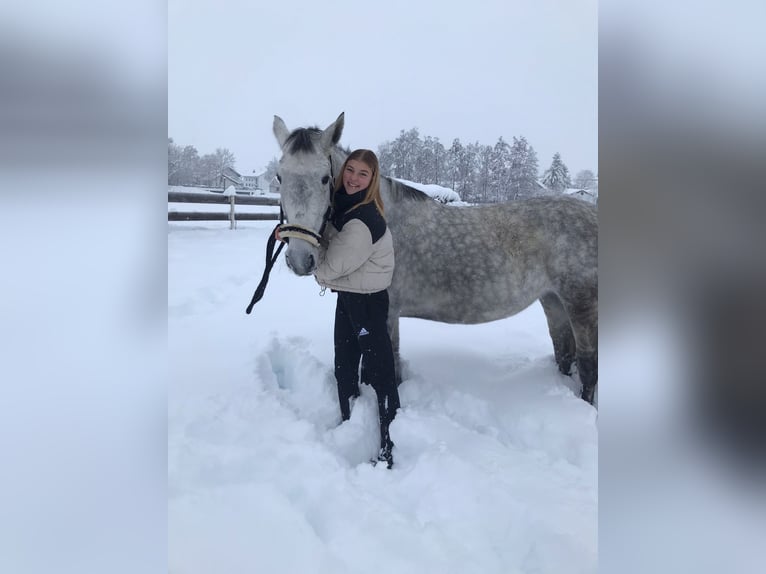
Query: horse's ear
(280, 131)
(331, 135)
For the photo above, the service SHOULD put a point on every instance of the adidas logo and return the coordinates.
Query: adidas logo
(363, 332)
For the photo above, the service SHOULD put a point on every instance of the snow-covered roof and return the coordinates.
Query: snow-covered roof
(572, 191)
(439, 193)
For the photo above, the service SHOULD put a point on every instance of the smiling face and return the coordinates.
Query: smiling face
(357, 176)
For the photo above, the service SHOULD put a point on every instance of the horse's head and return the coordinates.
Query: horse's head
(305, 173)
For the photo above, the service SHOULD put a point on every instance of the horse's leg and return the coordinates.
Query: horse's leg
(560, 330)
(393, 332)
(584, 318)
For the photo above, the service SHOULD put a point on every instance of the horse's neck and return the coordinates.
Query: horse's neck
(386, 194)
(399, 209)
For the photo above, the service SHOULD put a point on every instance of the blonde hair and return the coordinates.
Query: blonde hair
(369, 158)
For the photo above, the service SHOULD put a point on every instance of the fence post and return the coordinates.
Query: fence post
(231, 192)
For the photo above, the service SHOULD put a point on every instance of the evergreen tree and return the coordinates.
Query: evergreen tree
(556, 177)
(499, 171)
(431, 163)
(523, 182)
(456, 153)
(405, 152)
(482, 174)
(470, 190)
(385, 158)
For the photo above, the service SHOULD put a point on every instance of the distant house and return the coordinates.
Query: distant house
(250, 181)
(229, 176)
(583, 194)
(274, 185)
(255, 182)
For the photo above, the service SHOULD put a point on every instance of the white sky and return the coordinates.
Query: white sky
(475, 71)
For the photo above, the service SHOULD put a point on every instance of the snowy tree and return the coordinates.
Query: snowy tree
(479, 173)
(386, 158)
(174, 162)
(585, 179)
(482, 174)
(456, 152)
(405, 152)
(206, 171)
(462, 164)
(223, 159)
(556, 177)
(271, 170)
(499, 171)
(186, 167)
(431, 162)
(189, 165)
(523, 182)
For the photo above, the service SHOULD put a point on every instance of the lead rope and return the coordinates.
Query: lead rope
(271, 257)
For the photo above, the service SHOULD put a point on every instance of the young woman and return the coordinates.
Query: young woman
(357, 262)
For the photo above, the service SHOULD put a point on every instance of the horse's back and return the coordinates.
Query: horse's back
(481, 263)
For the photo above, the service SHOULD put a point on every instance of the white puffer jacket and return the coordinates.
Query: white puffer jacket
(350, 261)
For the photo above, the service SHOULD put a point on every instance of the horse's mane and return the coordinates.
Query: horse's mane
(302, 139)
(401, 191)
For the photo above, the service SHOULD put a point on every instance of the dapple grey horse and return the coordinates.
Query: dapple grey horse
(462, 265)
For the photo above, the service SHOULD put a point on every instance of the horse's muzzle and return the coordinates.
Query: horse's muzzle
(300, 262)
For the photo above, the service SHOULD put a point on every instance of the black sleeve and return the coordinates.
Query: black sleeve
(374, 221)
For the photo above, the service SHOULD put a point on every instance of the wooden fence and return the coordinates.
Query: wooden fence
(232, 216)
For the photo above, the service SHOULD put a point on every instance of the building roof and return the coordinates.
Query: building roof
(573, 191)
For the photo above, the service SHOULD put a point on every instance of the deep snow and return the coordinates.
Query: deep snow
(496, 457)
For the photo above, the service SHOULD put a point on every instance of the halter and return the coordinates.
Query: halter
(286, 231)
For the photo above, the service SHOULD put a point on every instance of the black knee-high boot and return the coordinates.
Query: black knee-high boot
(366, 314)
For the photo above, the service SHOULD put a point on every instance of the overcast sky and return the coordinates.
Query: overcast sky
(475, 70)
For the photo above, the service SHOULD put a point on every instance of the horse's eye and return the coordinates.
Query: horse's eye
(325, 179)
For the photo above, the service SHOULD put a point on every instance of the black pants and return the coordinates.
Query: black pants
(361, 333)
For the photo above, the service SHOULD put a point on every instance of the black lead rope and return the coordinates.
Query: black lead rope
(271, 258)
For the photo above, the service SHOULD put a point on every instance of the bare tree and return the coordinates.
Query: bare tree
(585, 179)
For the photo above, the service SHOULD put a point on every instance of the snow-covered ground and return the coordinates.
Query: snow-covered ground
(496, 457)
